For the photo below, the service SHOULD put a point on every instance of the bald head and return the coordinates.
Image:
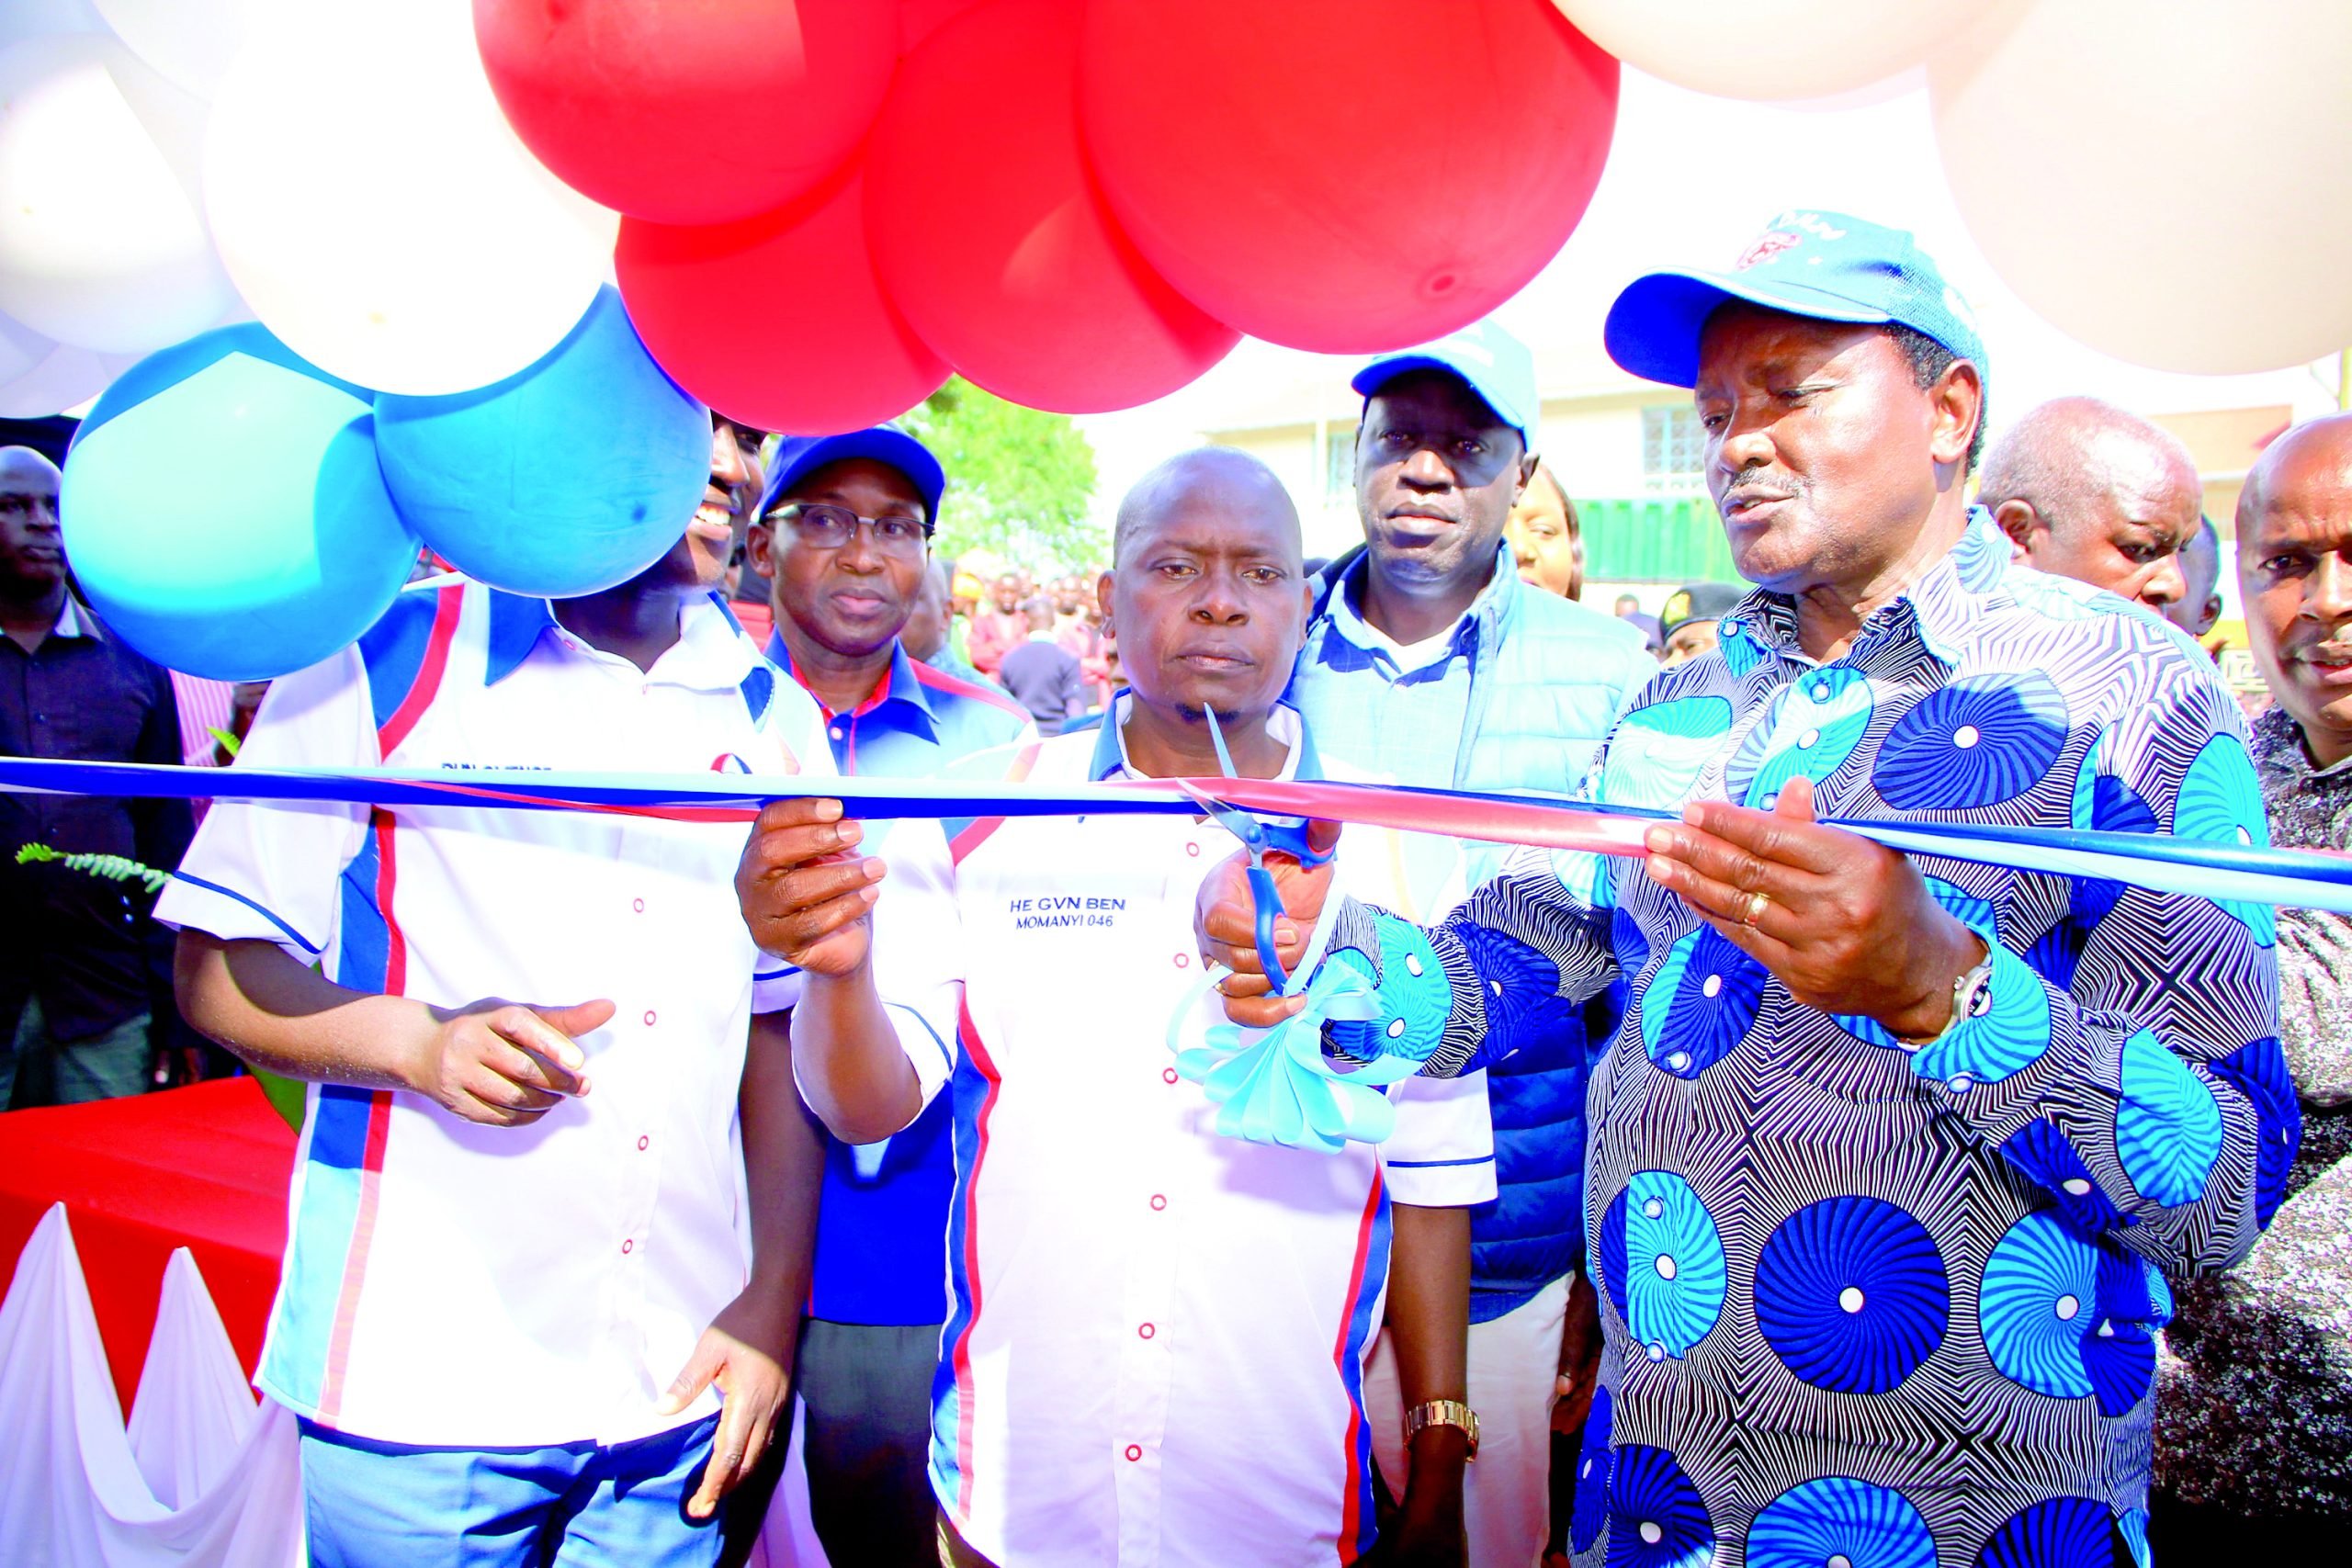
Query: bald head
(2088, 490)
(32, 555)
(2295, 578)
(1217, 479)
(1207, 593)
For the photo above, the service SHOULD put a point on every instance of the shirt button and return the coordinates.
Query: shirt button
(628, 1247)
(648, 1018)
(1159, 1201)
(1167, 1075)
(835, 732)
(1134, 1453)
(638, 904)
(644, 1142)
(1145, 1331)
(1962, 1084)
(1183, 960)
(1191, 849)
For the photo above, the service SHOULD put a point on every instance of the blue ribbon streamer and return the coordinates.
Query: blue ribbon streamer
(2201, 869)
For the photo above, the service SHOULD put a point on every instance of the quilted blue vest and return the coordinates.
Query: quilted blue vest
(1548, 678)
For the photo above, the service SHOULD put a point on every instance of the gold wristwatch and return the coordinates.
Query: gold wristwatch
(1443, 1412)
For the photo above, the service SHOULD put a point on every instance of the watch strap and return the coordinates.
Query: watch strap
(1443, 1412)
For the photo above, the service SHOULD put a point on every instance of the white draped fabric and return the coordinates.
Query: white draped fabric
(201, 1478)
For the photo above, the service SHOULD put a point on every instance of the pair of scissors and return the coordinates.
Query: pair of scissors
(1260, 836)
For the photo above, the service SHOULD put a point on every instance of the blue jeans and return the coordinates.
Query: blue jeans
(37, 1068)
(377, 1504)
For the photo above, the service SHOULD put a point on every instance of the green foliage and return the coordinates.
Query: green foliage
(113, 868)
(1019, 482)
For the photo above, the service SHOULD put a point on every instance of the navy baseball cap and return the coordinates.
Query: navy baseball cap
(1699, 601)
(797, 457)
(1494, 364)
(1822, 264)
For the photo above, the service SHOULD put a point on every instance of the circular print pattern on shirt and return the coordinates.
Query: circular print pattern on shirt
(2060, 1532)
(1850, 1293)
(1812, 727)
(1980, 740)
(1702, 1002)
(2221, 802)
(2036, 1305)
(2167, 1124)
(1655, 1517)
(1657, 752)
(1836, 1522)
(1591, 1506)
(1662, 1262)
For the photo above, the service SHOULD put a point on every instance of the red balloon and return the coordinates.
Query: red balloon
(993, 241)
(777, 321)
(918, 19)
(689, 111)
(1344, 175)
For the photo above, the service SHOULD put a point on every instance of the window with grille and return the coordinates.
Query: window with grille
(1674, 448)
(1339, 464)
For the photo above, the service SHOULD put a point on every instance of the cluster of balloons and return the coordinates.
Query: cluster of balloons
(814, 209)
(1078, 205)
(2159, 185)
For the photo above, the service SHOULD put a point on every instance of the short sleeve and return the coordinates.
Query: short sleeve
(1442, 1154)
(269, 871)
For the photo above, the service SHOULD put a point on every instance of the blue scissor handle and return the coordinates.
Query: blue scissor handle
(1267, 904)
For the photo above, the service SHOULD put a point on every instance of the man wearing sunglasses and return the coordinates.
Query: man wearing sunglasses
(842, 532)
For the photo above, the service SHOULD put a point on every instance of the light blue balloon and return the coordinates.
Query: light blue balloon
(169, 366)
(235, 524)
(569, 477)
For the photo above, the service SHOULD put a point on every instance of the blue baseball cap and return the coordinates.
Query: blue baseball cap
(797, 457)
(1822, 264)
(1493, 364)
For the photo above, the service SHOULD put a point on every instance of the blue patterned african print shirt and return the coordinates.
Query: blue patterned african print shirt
(1866, 1307)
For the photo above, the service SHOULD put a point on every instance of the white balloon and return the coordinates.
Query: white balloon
(103, 244)
(64, 377)
(191, 41)
(21, 19)
(376, 211)
(21, 348)
(1773, 49)
(2173, 192)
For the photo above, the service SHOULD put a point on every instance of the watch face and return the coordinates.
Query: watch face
(1976, 997)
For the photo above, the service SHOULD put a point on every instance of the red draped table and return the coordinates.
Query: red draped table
(204, 1167)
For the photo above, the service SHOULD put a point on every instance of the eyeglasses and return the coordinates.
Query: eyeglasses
(824, 527)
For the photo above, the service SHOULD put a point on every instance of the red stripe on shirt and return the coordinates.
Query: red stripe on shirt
(1351, 1490)
(960, 1358)
(450, 605)
(940, 681)
(978, 831)
(371, 1164)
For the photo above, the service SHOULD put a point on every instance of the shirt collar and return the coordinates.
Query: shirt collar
(712, 650)
(1483, 624)
(902, 692)
(73, 620)
(1284, 723)
(1943, 609)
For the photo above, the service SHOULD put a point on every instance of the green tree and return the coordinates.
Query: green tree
(1019, 482)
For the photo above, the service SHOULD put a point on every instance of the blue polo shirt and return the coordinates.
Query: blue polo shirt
(882, 1230)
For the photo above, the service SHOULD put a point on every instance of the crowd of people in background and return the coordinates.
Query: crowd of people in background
(1451, 649)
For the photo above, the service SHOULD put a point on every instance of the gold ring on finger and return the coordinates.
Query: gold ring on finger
(1758, 903)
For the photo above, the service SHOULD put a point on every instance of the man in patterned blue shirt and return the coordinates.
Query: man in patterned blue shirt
(1891, 1163)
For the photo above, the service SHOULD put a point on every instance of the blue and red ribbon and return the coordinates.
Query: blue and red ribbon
(2309, 879)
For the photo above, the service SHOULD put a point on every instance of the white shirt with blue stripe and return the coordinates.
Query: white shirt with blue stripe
(1157, 1335)
(449, 1283)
